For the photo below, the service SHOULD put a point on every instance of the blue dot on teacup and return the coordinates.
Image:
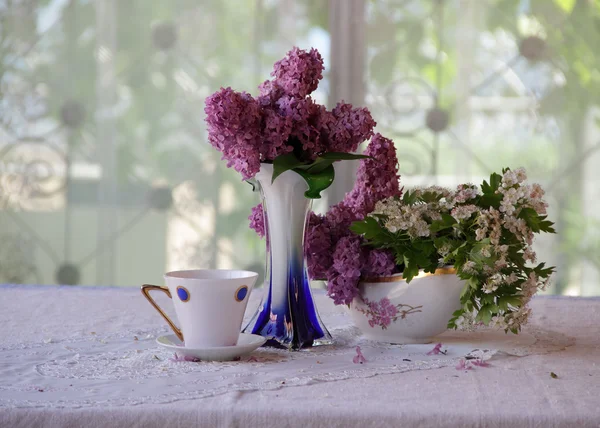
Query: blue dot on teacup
(241, 293)
(183, 294)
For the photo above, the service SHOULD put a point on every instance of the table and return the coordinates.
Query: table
(513, 392)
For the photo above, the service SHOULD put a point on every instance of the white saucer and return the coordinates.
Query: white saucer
(246, 344)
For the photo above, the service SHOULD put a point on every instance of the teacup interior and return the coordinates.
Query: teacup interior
(211, 274)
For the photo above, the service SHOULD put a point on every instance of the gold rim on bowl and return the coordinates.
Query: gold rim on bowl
(398, 277)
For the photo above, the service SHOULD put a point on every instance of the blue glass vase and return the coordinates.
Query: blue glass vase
(287, 315)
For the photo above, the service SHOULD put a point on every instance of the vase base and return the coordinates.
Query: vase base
(289, 335)
(292, 346)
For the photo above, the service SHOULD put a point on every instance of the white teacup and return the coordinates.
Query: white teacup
(209, 304)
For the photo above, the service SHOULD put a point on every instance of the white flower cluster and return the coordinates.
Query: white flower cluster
(416, 218)
(465, 192)
(489, 225)
(463, 212)
(411, 218)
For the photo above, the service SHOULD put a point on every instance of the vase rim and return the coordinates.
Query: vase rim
(445, 270)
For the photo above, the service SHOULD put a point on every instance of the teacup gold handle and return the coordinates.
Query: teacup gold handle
(146, 288)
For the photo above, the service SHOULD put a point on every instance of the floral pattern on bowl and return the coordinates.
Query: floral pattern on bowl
(390, 310)
(383, 313)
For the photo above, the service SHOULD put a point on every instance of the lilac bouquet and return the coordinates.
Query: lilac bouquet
(284, 126)
(335, 253)
(485, 232)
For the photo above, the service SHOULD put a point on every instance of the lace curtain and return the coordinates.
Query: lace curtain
(106, 177)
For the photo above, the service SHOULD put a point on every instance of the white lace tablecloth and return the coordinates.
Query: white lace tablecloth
(84, 356)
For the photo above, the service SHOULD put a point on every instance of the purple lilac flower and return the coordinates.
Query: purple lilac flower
(233, 120)
(351, 127)
(269, 92)
(257, 220)
(378, 263)
(298, 74)
(344, 274)
(339, 218)
(318, 245)
(376, 178)
(276, 130)
(340, 288)
(304, 114)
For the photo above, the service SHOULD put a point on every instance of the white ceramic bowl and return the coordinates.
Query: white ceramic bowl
(390, 310)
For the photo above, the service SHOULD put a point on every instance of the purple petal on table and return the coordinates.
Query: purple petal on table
(464, 365)
(252, 360)
(437, 349)
(480, 363)
(359, 358)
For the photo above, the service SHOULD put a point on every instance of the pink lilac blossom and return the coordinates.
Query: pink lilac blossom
(304, 116)
(342, 289)
(299, 73)
(269, 93)
(318, 247)
(233, 120)
(376, 178)
(359, 358)
(257, 220)
(379, 263)
(249, 131)
(276, 130)
(351, 127)
(345, 270)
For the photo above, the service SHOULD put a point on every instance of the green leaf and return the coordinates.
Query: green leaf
(411, 269)
(458, 313)
(542, 271)
(473, 282)
(505, 301)
(318, 174)
(490, 199)
(317, 182)
(536, 222)
(495, 181)
(409, 197)
(490, 189)
(283, 163)
(446, 222)
(369, 227)
(326, 159)
(485, 314)
(466, 291)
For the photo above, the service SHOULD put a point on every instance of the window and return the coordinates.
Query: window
(106, 178)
